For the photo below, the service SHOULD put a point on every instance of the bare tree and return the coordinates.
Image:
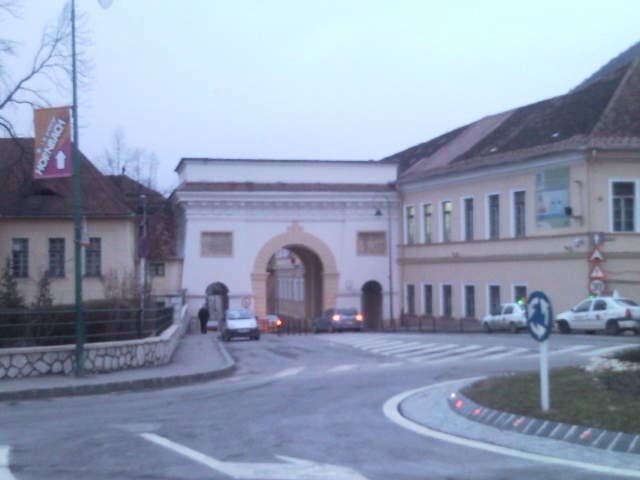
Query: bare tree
(51, 65)
(137, 163)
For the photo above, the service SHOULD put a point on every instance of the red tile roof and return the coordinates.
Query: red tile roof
(604, 112)
(23, 197)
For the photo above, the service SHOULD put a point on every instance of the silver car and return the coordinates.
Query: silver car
(510, 316)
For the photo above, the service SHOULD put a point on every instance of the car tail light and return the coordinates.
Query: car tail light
(278, 323)
(359, 317)
(336, 318)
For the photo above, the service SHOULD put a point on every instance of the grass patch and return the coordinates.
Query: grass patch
(602, 400)
(632, 356)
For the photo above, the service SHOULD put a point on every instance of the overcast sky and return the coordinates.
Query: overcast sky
(344, 79)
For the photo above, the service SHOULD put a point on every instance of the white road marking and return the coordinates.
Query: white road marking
(407, 347)
(603, 351)
(383, 346)
(428, 351)
(292, 469)
(5, 471)
(391, 410)
(342, 368)
(509, 353)
(288, 372)
(456, 351)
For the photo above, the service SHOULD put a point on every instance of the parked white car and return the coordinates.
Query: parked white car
(611, 314)
(511, 316)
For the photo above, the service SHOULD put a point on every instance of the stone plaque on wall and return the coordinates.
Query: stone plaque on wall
(372, 243)
(216, 244)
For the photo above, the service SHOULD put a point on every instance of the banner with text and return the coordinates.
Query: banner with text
(52, 143)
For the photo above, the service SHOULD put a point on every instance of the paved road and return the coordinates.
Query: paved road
(293, 400)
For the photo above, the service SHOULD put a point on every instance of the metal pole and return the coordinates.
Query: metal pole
(143, 258)
(77, 206)
(544, 376)
(390, 250)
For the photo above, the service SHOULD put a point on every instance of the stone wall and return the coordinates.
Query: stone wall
(99, 357)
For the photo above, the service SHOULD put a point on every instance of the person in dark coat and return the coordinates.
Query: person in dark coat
(203, 315)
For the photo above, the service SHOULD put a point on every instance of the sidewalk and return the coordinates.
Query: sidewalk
(431, 411)
(197, 358)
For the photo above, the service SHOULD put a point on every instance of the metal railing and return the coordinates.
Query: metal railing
(29, 328)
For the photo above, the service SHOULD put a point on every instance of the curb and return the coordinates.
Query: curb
(576, 434)
(151, 383)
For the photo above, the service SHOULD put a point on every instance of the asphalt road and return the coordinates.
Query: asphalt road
(297, 407)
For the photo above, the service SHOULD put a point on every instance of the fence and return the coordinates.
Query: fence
(29, 328)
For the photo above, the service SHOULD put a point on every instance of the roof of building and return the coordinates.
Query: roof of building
(161, 221)
(603, 112)
(283, 187)
(22, 196)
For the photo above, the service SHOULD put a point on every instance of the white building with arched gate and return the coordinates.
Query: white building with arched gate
(337, 217)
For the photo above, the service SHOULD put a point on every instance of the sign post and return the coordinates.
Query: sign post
(539, 324)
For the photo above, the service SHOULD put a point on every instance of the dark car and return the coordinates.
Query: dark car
(338, 319)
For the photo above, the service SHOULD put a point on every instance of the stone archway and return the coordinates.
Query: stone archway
(294, 236)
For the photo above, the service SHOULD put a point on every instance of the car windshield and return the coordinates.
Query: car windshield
(347, 311)
(239, 314)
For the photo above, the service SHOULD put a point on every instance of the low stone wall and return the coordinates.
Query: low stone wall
(99, 357)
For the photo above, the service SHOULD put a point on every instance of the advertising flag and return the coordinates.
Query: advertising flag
(52, 143)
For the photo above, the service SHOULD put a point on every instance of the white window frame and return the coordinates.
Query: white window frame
(636, 203)
(406, 226)
(513, 289)
(424, 226)
(463, 219)
(441, 221)
(513, 212)
(424, 299)
(488, 298)
(406, 298)
(487, 216)
(463, 303)
(442, 285)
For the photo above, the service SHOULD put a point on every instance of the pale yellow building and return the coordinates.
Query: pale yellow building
(542, 197)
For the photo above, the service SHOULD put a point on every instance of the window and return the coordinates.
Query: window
(93, 258)
(520, 293)
(427, 218)
(600, 305)
(372, 243)
(623, 203)
(411, 299)
(56, 257)
(494, 299)
(519, 214)
(447, 210)
(216, 244)
(468, 219)
(446, 300)
(427, 291)
(410, 218)
(20, 257)
(583, 307)
(494, 216)
(156, 269)
(469, 301)
(508, 310)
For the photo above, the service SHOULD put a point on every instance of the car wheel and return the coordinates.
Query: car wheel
(513, 328)
(486, 327)
(563, 327)
(612, 327)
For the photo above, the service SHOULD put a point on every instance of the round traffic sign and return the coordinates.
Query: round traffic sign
(596, 287)
(539, 316)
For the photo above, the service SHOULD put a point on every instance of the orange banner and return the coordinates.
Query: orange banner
(52, 143)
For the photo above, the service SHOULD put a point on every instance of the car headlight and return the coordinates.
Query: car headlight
(336, 318)
(359, 317)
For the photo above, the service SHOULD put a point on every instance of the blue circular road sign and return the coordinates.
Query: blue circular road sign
(539, 316)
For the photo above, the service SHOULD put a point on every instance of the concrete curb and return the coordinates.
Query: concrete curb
(150, 383)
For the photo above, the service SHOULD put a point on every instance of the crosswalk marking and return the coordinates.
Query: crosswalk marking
(407, 347)
(428, 350)
(5, 471)
(457, 352)
(386, 346)
(342, 368)
(287, 372)
(604, 351)
(508, 353)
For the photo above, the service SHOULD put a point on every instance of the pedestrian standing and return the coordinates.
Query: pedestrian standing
(203, 315)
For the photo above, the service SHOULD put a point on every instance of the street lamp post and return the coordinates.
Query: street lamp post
(389, 253)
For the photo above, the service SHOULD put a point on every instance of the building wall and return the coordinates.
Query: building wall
(117, 250)
(555, 260)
